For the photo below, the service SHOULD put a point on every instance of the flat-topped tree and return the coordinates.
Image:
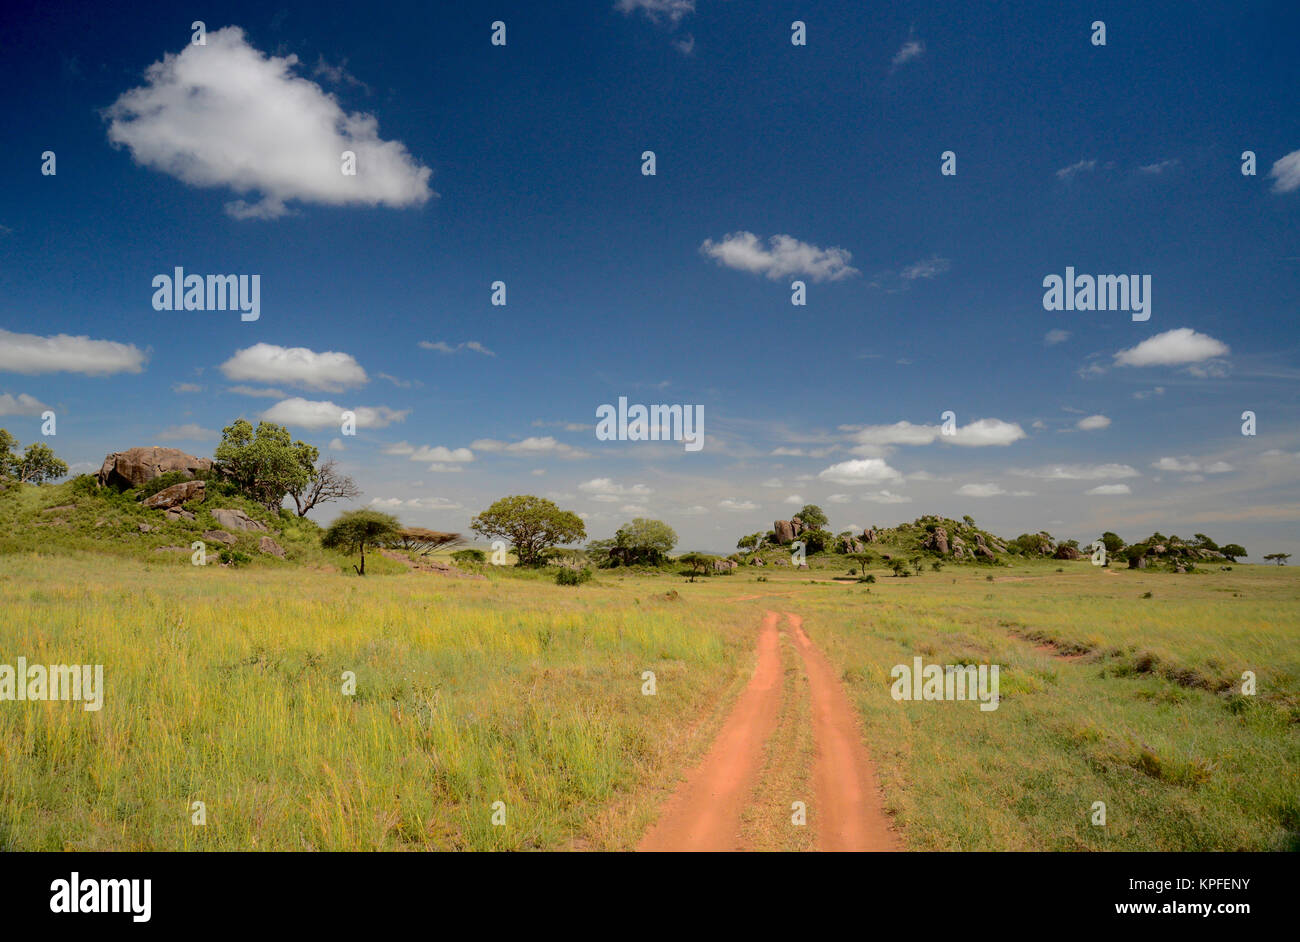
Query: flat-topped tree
(357, 529)
(422, 542)
(531, 524)
(1281, 558)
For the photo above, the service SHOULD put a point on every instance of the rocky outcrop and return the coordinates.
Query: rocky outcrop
(176, 495)
(784, 530)
(1066, 552)
(1137, 562)
(178, 513)
(233, 519)
(218, 536)
(268, 545)
(937, 541)
(137, 466)
(724, 565)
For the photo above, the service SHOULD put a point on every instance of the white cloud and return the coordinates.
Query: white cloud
(1108, 490)
(606, 490)
(989, 490)
(443, 347)
(738, 505)
(22, 404)
(986, 432)
(786, 256)
(900, 433)
(794, 499)
(399, 448)
(190, 432)
(929, 268)
(672, 10)
(331, 371)
(1083, 166)
(1286, 173)
(1158, 167)
(186, 388)
(417, 503)
(1053, 337)
(1078, 472)
(533, 445)
(1172, 348)
(30, 354)
(1092, 422)
(885, 496)
(912, 49)
(839, 499)
(860, 471)
(1148, 393)
(439, 453)
(307, 413)
(1189, 465)
(225, 115)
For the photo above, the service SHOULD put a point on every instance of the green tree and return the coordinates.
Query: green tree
(813, 517)
(697, 564)
(1280, 557)
(1112, 542)
(355, 530)
(532, 525)
(9, 462)
(863, 559)
(1233, 550)
(265, 464)
(816, 541)
(968, 520)
(644, 541)
(750, 542)
(39, 464)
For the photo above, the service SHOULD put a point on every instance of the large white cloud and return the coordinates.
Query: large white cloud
(330, 371)
(983, 432)
(533, 445)
(1172, 348)
(860, 471)
(783, 256)
(606, 490)
(30, 354)
(307, 413)
(225, 115)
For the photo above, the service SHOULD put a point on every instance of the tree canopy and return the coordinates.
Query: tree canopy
(36, 465)
(813, 517)
(353, 531)
(532, 525)
(265, 464)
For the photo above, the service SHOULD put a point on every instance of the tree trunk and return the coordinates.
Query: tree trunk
(362, 570)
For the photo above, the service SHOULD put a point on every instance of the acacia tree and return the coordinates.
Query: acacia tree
(36, 465)
(1233, 550)
(643, 541)
(1280, 557)
(698, 564)
(355, 530)
(531, 524)
(326, 483)
(422, 542)
(265, 464)
(863, 559)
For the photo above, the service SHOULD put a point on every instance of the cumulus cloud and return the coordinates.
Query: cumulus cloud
(1172, 348)
(418, 503)
(900, 433)
(885, 496)
(443, 458)
(738, 505)
(607, 491)
(306, 413)
(22, 404)
(331, 371)
(783, 256)
(989, 490)
(1109, 490)
(1286, 173)
(30, 354)
(860, 471)
(1092, 422)
(980, 433)
(534, 445)
(1053, 337)
(1078, 472)
(984, 432)
(1189, 465)
(226, 115)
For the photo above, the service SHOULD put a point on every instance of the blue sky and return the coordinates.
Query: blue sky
(522, 163)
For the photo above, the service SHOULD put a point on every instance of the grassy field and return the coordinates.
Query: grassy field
(225, 686)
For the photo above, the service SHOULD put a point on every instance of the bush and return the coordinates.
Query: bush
(83, 484)
(870, 577)
(469, 557)
(234, 557)
(566, 576)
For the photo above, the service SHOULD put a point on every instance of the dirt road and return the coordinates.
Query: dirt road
(705, 811)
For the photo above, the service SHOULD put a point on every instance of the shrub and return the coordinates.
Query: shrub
(234, 557)
(469, 557)
(870, 577)
(566, 576)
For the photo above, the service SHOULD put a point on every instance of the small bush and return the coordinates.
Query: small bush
(469, 557)
(234, 557)
(870, 577)
(566, 576)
